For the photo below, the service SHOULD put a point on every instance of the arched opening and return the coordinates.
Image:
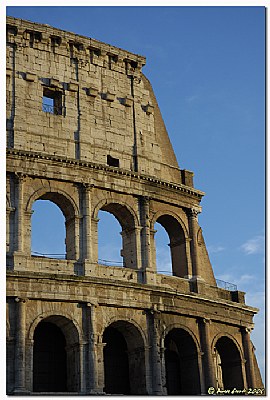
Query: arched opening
(163, 253)
(177, 245)
(228, 364)
(110, 236)
(109, 240)
(124, 360)
(48, 230)
(53, 227)
(56, 356)
(181, 364)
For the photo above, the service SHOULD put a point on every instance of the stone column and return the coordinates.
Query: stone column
(20, 347)
(20, 214)
(155, 353)
(94, 238)
(29, 360)
(192, 217)
(250, 370)
(83, 370)
(145, 232)
(208, 361)
(163, 369)
(189, 259)
(94, 381)
(87, 253)
(9, 233)
(100, 379)
(200, 365)
(28, 231)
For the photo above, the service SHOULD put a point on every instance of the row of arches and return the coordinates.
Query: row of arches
(56, 360)
(52, 232)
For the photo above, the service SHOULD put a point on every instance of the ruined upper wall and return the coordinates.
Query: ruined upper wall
(76, 97)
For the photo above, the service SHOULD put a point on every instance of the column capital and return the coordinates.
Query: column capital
(207, 321)
(87, 186)
(203, 320)
(21, 300)
(194, 212)
(21, 177)
(245, 329)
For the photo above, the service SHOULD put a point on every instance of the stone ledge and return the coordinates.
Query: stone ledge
(118, 171)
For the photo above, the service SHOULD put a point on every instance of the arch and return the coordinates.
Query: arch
(185, 328)
(232, 338)
(177, 234)
(228, 362)
(159, 214)
(130, 321)
(49, 314)
(120, 209)
(56, 355)
(69, 210)
(58, 196)
(128, 221)
(124, 359)
(181, 363)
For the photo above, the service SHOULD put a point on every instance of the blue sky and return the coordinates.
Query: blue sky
(207, 68)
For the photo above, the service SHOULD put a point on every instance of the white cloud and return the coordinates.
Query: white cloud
(192, 98)
(246, 278)
(215, 248)
(254, 246)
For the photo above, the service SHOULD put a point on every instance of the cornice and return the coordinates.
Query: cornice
(112, 170)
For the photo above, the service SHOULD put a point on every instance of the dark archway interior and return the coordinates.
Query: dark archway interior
(177, 244)
(50, 359)
(230, 363)
(181, 364)
(124, 359)
(116, 365)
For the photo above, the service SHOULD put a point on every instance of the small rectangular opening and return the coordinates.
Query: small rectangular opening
(52, 101)
(112, 162)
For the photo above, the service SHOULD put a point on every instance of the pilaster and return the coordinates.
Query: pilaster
(248, 352)
(20, 383)
(208, 360)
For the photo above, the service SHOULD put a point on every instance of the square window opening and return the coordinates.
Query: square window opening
(112, 162)
(52, 101)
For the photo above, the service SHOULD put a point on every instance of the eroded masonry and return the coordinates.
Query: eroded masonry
(84, 131)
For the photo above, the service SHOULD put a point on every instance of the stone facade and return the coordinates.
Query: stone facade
(101, 144)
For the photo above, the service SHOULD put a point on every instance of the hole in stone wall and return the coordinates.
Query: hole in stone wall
(163, 253)
(109, 240)
(112, 162)
(48, 230)
(52, 101)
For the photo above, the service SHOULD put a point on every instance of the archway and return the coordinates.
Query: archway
(127, 223)
(124, 360)
(55, 211)
(56, 356)
(177, 244)
(181, 363)
(228, 364)
(109, 240)
(48, 231)
(163, 251)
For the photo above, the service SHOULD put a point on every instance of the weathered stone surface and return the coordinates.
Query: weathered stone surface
(103, 145)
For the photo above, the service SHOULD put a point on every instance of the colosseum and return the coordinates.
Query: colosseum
(74, 325)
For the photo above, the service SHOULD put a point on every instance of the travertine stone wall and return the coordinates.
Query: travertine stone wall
(108, 106)
(101, 144)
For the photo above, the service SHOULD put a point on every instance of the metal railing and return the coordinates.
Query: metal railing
(51, 109)
(46, 255)
(226, 285)
(110, 263)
